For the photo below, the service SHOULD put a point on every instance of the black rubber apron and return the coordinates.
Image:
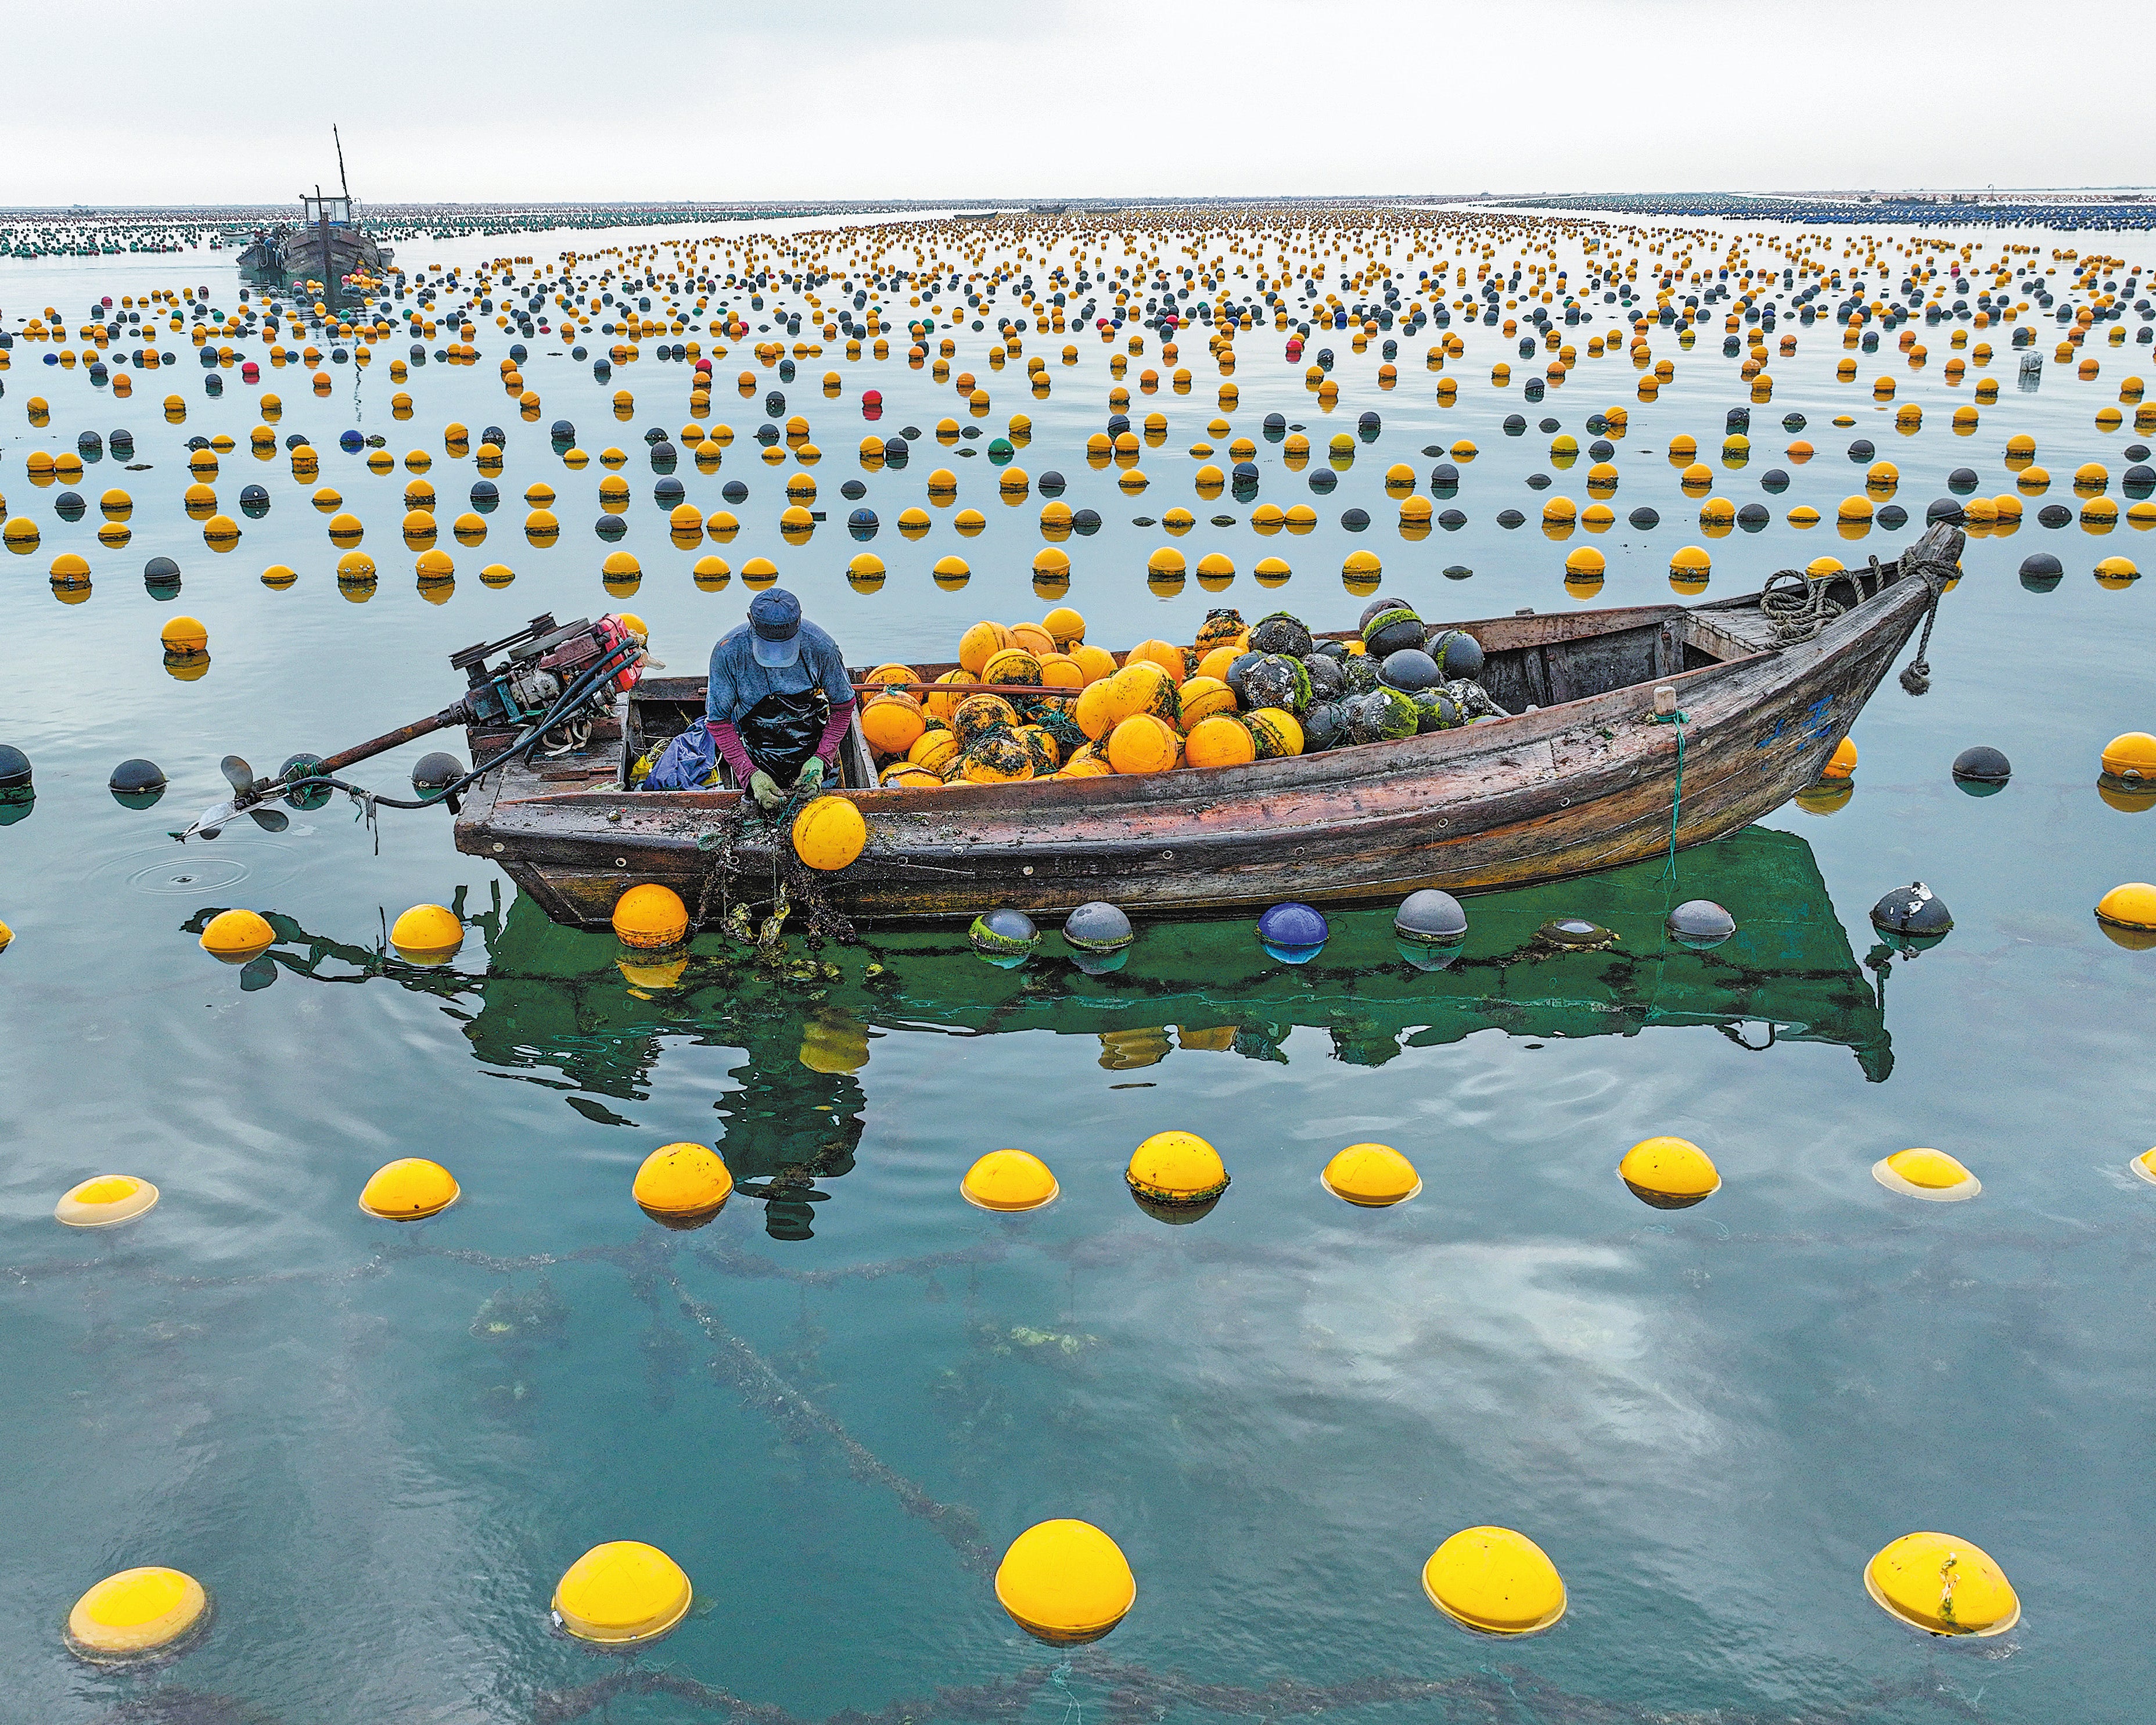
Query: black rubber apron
(781, 731)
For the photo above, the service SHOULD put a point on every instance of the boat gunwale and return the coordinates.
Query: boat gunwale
(1425, 755)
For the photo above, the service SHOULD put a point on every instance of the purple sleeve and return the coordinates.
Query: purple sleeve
(727, 741)
(835, 728)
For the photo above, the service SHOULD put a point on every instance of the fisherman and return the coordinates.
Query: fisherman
(779, 701)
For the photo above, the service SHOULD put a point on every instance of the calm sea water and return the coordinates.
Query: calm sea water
(380, 1447)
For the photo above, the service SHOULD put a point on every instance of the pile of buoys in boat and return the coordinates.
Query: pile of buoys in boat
(1241, 692)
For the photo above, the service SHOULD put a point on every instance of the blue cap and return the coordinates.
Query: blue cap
(774, 621)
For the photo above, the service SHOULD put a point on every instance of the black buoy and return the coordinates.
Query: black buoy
(1700, 925)
(1410, 667)
(2055, 515)
(136, 783)
(1944, 508)
(1005, 936)
(1981, 770)
(610, 527)
(436, 772)
(1892, 517)
(1913, 911)
(1100, 935)
(1962, 482)
(14, 768)
(2040, 571)
(1644, 518)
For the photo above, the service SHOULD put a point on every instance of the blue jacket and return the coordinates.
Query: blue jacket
(737, 682)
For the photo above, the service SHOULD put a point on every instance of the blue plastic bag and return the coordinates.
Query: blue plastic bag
(688, 763)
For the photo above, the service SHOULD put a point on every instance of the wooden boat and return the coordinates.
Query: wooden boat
(1584, 775)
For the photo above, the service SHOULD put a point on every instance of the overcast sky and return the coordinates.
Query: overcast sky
(544, 101)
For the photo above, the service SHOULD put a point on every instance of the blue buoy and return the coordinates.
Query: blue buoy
(1293, 933)
(352, 442)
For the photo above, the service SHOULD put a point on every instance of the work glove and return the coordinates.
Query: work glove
(765, 789)
(812, 776)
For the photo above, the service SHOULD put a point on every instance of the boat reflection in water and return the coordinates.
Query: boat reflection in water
(575, 1006)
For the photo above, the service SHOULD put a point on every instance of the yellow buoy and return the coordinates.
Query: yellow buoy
(105, 1201)
(1008, 1180)
(185, 637)
(1942, 1585)
(135, 1614)
(622, 1592)
(237, 937)
(2127, 914)
(1930, 1174)
(651, 916)
(1495, 1581)
(408, 1190)
(1176, 1176)
(1842, 763)
(683, 1185)
(1668, 1173)
(427, 934)
(1066, 1582)
(1374, 1176)
(2131, 756)
(829, 833)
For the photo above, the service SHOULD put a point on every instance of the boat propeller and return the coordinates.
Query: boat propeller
(244, 784)
(554, 676)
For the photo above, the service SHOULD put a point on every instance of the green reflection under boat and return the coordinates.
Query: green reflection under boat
(559, 1006)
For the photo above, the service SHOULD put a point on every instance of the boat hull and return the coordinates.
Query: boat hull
(1584, 785)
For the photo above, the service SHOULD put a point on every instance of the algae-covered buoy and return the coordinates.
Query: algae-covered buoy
(408, 1190)
(1372, 1176)
(105, 1201)
(1008, 1180)
(1495, 1581)
(137, 1614)
(1669, 1173)
(1176, 1176)
(1100, 937)
(622, 1592)
(682, 1185)
(427, 934)
(1005, 936)
(1942, 1585)
(236, 936)
(1066, 1582)
(1931, 1174)
(650, 916)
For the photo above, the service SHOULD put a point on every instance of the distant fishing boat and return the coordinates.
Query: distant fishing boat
(1592, 778)
(327, 246)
